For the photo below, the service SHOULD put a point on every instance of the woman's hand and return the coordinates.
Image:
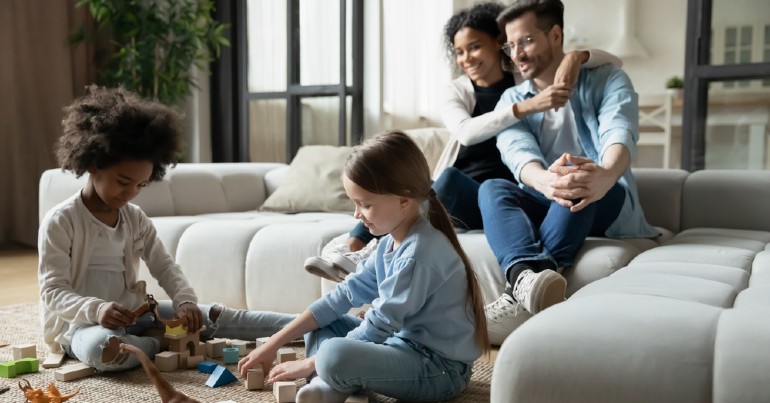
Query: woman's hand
(113, 315)
(191, 316)
(552, 97)
(262, 355)
(292, 370)
(355, 244)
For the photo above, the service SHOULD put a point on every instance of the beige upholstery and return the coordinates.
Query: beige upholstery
(682, 322)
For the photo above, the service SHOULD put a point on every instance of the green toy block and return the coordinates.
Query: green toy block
(8, 369)
(23, 366)
(27, 365)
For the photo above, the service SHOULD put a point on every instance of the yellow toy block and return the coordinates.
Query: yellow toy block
(176, 331)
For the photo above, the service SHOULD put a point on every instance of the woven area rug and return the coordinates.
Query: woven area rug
(19, 324)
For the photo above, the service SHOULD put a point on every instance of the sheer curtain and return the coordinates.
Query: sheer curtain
(404, 68)
(39, 74)
(414, 65)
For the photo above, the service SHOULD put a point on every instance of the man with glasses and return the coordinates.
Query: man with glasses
(572, 165)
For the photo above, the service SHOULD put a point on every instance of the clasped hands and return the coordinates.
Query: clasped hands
(575, 182)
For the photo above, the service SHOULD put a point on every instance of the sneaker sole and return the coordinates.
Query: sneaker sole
(320, 268)
(552, 291)
(343, 265)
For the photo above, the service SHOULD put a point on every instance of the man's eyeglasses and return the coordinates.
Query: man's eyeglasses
(524, 43)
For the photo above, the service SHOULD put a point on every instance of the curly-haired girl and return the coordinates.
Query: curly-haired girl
(90, 244)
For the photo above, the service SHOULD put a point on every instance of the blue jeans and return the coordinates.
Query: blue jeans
(457, 192)
(397, 368)
(88, 342)
(521, 226)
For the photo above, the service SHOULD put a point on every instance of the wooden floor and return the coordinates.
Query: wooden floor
(18, 276)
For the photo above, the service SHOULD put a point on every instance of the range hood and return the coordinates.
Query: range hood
(627, 45)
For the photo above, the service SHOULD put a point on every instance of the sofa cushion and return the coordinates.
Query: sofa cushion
(726, 199)
(741, 356)
(313, 182)
(610, 348)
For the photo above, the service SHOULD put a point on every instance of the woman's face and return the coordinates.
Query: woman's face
(478, 55)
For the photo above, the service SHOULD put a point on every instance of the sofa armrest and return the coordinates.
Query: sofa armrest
(660, 193)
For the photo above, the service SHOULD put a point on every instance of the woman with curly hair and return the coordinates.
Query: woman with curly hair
(473, 41)
(90, 244)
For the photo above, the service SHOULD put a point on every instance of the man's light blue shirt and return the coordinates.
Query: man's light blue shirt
(606, 112)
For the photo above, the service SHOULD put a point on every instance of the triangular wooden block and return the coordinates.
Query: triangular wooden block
(220, 376)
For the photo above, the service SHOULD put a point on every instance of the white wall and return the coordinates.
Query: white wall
(660, 28)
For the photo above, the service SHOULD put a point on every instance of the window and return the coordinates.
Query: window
(293, 77)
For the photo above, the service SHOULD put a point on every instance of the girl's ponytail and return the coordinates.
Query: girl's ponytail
(439, 219)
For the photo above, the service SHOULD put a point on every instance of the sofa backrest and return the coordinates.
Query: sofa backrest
(727, 199)
(187, 189)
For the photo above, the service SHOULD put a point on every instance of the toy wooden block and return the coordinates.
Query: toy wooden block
(72, 372)
(220, 376)
(23, 366)
(183, 356)
(176, 331)
(27, 365)
(214, 348)
(261, 341)
(187, 342)
(167, 361)
(240, 345)
(207, 367)
(230, 355)
(8, 369)
(357, 399)
(24, 351)
(255, 379)
(286, 354)
(284, 391)
(53, 360)
(193, 361)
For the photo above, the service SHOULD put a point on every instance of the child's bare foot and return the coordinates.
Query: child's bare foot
(112, 353)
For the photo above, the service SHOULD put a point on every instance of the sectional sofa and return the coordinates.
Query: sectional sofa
(687, 321)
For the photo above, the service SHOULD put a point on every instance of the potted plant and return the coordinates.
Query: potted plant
(153, 45)
(675, 86)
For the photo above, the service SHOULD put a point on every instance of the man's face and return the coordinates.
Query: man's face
(531, 49)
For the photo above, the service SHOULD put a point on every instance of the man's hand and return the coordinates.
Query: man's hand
(292, 370)
(191, 316)
(580, 178)
(112, 315)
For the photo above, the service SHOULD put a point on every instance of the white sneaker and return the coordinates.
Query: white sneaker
(538, 291)
(321, 267)
(346, 263)
(503, 317)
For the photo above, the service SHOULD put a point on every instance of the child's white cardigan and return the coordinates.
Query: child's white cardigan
(65, 244)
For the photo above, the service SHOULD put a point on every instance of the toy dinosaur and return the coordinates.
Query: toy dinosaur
(38, 396)
(167, 392)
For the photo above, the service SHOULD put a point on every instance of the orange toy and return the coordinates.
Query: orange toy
(38, 396)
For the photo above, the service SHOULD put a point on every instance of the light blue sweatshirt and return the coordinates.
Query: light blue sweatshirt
(418, 293)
